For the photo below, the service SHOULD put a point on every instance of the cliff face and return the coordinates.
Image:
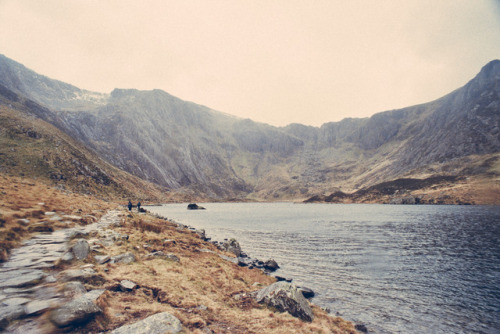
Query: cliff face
(180, 144)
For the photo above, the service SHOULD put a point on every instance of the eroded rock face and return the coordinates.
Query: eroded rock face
(156, 324)
(286, 297)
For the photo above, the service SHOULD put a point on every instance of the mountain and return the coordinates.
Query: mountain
(188, 147)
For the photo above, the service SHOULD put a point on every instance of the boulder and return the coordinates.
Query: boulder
(286, 297)
(232, 246)
(81, 249)
(75, 312)
(156, 324)
(271, 265)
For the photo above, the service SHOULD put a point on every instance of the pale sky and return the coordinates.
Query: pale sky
(273, 61)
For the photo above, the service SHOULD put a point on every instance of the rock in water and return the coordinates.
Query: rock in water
(286, 297)
(81, 249)
(271, 265)
(156, 324)
(194, 206)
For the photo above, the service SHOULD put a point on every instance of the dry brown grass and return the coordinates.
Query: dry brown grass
(202, 290)
(29, 199)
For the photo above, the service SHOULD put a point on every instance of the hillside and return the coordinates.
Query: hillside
(32, 148)
(210, 155)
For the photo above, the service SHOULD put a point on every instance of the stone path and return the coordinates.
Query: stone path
(27, 289)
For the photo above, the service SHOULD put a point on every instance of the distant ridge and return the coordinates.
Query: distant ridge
(184, 146)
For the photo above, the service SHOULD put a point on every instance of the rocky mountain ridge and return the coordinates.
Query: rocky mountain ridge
(182, 145)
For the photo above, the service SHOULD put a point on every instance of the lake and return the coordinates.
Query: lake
(396, 269)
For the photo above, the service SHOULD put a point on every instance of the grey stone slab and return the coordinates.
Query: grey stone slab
(16, 301)
(156, 324)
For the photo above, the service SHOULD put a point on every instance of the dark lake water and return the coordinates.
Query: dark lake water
(396, 269)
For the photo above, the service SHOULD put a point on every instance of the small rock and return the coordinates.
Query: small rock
(81, 249)
(362, 328)
(67, 257)
(73, 288)
(164, 256)
(23, 222)
(101, 259)
(271, 265)
(127, 285)
(281, 279)
(156, 324)
(308, 293)
(123, 258)
(50, 213)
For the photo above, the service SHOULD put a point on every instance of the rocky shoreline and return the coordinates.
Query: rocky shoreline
(67, 280)
(293, 291)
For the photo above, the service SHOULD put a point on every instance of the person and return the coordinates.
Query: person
(139, 206)
(129, 205)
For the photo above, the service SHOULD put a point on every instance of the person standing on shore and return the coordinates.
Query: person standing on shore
(139, 206)
(129, 205)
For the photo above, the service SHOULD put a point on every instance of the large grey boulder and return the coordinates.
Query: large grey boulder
(81, 249)
(77, 311)
(156, 324)
(286, 297)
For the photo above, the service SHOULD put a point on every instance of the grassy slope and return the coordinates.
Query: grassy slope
(30, 147)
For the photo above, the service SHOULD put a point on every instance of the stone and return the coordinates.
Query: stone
(126, 285)
(271, 265)
(232, 246)
(67, 257)
(10, 313)
(156, 324)
(306, 292)
(285, 297)
(94, 294)
(361, 328)
(73, 288)
(81, 249)
(23, 222)
(194, 206)
(37, 306)
(162, 255)
(123, 258)
(83, 275)
(50, 213)
(16, 301)
(26, 279)
(75, 312)
(281, 278)
(101, 259)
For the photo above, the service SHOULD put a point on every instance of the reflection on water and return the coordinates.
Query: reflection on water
(397, 269)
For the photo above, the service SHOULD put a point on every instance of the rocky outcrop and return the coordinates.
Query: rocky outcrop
(156, 324)
(285, 297)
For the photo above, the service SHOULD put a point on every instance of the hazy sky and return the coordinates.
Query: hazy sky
(274, 61)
